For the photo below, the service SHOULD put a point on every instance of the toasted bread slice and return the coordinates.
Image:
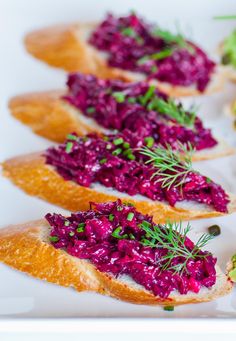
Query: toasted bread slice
(27, 248)
(31, 174)
(67, 47)
(48, 115)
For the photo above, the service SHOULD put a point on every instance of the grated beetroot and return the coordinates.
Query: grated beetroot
(98, 99)
(92, 235)
(128, 40)
(115, 162)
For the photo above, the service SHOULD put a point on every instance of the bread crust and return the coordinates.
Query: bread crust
(48, 115)
(66, 47)
(31, 174)
(23, 248)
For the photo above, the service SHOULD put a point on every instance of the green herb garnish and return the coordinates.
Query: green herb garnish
(66, 223)
(71, 137)
(162, 54)
(149, 141)
(53, 239)
(102, 161)
(119, 96)
(130, 216)
(172, 237)
(131, 100)
(90, 110)
(116, 233)
(71, 233)
(80, 227)
(225, 17)
(69, 147)
(128, 31)
(172, 166)
(117, 151)
(118, 141)
(131, 156)
(148, 95)
(111, 217)
(126, 145)
(173, 110)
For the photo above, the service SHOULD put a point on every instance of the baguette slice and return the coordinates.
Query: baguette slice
(26, 248)
(31, 174)
(67, 47)
(48, 115)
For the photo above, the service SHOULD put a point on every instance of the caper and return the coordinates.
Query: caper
(214, 230)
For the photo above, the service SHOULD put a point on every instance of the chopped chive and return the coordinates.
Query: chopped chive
(169, 308)
(208, 180)
(127, 151)
(108, 146)
(53, 239)
(71, 137)
(126, 145)
(90, 110)
(119, 208)
(111, 217)
(162, 54)
(128, 31)
(119, 96)
(131, 100)
(130, 216)
(66, 223)
(214, 230)
(131, 156)
(102, 161)
(154, 69)
(71, 234)
(118, 141)
(116, 151)
(143, 60)
(131, 236)
(116, 233)
(149, 141)
(69, 147)
(80, 227)
(148, 95)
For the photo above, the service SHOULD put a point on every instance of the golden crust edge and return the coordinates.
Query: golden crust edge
(21, 245)
(61, 45)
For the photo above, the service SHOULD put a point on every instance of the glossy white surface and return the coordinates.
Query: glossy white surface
(22, 296)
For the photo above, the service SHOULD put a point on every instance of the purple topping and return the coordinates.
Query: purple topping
(133, 45)
(115, 162)
(122, 106)
(109, 239)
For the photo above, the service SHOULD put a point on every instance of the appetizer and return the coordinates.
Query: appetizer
(92, 104)
(159, 181)
(227, 51)
(130, 49)
(231, 268)
(114, 250)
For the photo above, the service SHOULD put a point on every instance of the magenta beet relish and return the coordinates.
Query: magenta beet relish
(139, 108)
(134, 45)
(116, 161)
(119, 240)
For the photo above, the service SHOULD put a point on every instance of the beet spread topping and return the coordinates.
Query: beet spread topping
(138, 107)
(134, 45)
(119, 240)
(119, 162)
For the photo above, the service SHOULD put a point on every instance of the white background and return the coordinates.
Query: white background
(23, 296)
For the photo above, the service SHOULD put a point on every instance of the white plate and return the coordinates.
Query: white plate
(23, 296)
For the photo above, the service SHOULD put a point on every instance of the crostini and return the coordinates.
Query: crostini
(159, 181)
(129, 49)
(114, 250)
(227, 51)
(92, 104)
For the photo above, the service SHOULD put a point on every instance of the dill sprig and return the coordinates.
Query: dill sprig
(173, 110)
(172, 166)
(172, 237)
